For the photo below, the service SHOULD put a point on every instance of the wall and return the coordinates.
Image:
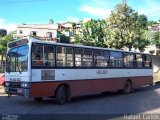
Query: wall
(156, 63)
(156, 68)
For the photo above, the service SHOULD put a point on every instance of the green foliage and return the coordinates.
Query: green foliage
(123, 27)
(143, 40)
(3, 43)
(142, 20)
(126, 28)
(51, 21)
(151, 23)
(3, 47)
(155, 38)
(92, 33)
(3, 32)
(63, 38)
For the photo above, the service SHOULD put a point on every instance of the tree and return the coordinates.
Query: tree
(92, 33)
(3, 32)
(3, 47)
(151, 23)
(143, 40)
(63, 38)
(142, 20)
(51, 21)
(3, 44)
(155, 38)
(123, 27)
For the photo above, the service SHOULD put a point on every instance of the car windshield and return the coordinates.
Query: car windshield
(17, 59)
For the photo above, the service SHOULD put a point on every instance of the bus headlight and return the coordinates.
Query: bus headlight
(7, 84)
(25, 84)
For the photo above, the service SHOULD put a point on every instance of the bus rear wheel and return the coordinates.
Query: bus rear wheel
(127, 87)
(61, 95)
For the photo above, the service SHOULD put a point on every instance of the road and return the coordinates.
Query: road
(145, 100)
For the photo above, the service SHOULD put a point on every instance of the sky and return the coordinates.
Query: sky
(13, 12)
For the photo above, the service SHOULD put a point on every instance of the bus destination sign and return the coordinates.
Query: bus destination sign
(47, 75)
(17, 43)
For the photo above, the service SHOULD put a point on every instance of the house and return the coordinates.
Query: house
(45, 31)
(154, 28)
(153, 49)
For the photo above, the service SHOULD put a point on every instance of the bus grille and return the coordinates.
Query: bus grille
(13, 90)
(15, 84)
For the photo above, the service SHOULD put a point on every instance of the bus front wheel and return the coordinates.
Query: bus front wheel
(127, 87)
(61, 95)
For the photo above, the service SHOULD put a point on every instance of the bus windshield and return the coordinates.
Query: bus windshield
(17, 59)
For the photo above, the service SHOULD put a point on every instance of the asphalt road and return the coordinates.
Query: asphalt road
(145, 100)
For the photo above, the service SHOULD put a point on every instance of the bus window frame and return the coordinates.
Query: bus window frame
(93, 59)
(65, 56)
(42, 67)
(75, 57)
(143, 61)
(116, 67)
(133, 62)
(108, 62)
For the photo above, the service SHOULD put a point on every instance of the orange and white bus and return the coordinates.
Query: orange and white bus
(68, 70)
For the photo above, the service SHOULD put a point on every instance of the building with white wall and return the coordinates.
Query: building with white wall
(40, 30)
(153, 49)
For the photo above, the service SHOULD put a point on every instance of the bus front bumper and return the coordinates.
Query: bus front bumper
(17, 91)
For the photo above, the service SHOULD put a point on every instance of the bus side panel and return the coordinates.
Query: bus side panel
(142, 81)
(43, 89)
(85, 87)
(109, 84)
(78, 87)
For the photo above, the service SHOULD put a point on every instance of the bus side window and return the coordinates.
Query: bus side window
(116, 59)
(64, 56)
(69, 56)
(97, 58)
(78, 57)
(101, 58)
(87, 58)
(139, 60)
(128, 59)
(37, 50)
(49, 58)
(60, 56)
(147, 61)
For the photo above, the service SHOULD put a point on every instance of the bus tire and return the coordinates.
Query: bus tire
(61, 95)
(38, 99)
(127, 87)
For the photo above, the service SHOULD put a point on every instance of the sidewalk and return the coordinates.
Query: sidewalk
(156, 77)
(2, 90)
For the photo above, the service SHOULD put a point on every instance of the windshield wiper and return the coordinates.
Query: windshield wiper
(17, 63)
(8, 61)
(18, 67)
(16, 55)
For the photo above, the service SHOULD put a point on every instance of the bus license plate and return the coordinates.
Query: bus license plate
(19, 91)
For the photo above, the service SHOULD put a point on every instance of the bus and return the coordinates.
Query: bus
(69, 70)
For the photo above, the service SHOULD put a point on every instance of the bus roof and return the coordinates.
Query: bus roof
(37, 40)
